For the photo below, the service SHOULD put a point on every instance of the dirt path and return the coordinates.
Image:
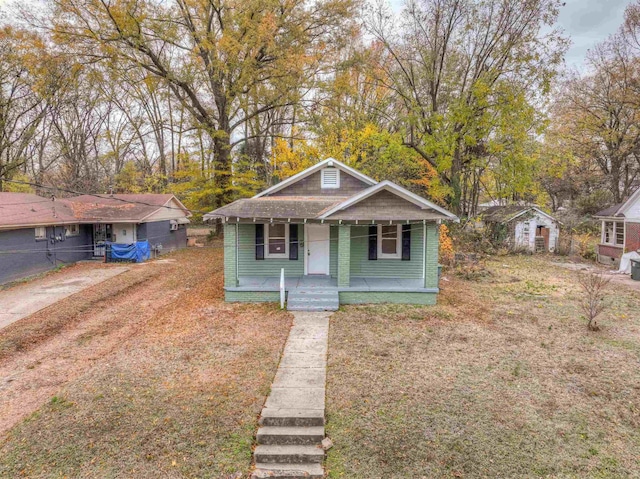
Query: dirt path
(84, 329)
(616, 277)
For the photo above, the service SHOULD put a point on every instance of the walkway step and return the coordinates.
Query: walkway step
(289, 454)
(287, 471)
(301, 436)
(292, 417)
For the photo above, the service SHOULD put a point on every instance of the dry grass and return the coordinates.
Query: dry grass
(501, 379)
(164, 380)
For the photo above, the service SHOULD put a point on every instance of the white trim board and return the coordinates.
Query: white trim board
(392, 188)
(313, 169)
(535, 208)
(630, 202)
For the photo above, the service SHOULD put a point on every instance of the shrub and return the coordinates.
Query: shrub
(446, 246)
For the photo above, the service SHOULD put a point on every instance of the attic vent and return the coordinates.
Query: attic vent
(330, 178)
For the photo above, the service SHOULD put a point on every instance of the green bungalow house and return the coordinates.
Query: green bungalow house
(339, 236)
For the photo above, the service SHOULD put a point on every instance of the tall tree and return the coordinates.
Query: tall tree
(599, 113)
(448, 61)
(25, 95)
(212, 54)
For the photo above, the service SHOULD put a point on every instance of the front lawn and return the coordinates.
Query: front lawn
(164, 378)
(501, 379)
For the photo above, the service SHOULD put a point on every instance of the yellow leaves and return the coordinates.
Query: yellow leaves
(446, 245)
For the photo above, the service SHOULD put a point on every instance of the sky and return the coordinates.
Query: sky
(588, 22)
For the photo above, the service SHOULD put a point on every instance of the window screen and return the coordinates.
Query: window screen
(277, 239)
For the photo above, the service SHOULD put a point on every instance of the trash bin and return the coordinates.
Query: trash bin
(635, 270)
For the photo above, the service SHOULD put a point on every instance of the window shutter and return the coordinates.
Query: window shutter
(373, 242)
(293, 242)
(406, 242)
(259, 241)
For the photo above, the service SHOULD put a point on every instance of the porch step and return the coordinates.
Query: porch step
(313, 300)
(287, 471)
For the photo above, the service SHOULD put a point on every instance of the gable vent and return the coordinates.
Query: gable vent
(330, 178)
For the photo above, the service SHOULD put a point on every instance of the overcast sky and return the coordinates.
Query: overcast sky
(586, 22)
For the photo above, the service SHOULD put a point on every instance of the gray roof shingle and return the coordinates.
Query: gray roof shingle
(300, 207)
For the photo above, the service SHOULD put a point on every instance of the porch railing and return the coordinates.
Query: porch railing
(282, 293)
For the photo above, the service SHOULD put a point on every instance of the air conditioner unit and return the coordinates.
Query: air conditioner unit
(173, 225)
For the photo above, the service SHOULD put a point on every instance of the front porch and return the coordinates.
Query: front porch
(354, 273)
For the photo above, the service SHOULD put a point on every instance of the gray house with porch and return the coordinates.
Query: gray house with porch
(340, 237)
(38, 234)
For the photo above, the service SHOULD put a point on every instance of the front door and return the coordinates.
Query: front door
(101, 234)
(317, 246)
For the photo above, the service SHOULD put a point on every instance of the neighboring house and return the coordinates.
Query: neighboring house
(339, 236)
(521, 227)
(38, 234)
(620, 231)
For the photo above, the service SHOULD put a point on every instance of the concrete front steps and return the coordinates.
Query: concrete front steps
(289, 451)
(292, 420)
(313, 299)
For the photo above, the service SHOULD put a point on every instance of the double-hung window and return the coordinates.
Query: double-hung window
(277, 240)
(41, 233)
(389, 241)
(613, 233)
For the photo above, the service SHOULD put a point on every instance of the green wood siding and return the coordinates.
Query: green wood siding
(333, 252)
(431, 278)
(249, 266)
(348, 297)
(230, 273)
(385, 268)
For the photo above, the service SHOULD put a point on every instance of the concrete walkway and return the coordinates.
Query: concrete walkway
(292, 420)
(24, 300)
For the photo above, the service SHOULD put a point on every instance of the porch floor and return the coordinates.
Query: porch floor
(321, 282)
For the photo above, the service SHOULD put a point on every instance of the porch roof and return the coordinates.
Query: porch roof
(279, 207)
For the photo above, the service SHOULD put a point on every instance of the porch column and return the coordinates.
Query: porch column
(344, 255)
(230, 255)
(431, 255)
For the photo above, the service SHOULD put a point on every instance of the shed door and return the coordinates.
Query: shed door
(544, 232)
(317, 246)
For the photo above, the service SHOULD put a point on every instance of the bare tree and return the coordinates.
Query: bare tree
(593, 303)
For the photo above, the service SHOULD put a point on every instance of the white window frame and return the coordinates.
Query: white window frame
(326, 187)
(69, 234)
(284, 255)
(398, 254)
(43, 231)
(614, 236)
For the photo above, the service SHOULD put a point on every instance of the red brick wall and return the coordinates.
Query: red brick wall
(632, 239)
(612, 251)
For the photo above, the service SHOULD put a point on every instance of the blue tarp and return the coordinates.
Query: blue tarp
(135, 252)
